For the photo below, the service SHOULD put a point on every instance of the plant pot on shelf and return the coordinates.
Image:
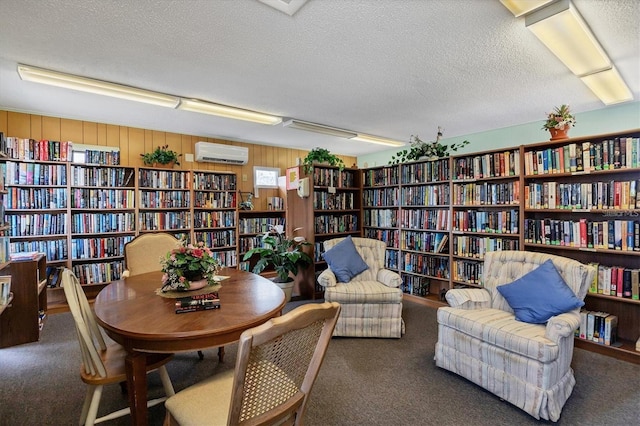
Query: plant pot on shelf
(557, 134)
(164, 166)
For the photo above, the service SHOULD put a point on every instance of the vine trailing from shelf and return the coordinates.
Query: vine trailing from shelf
(431, 150)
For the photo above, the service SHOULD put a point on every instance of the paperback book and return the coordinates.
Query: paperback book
(201, 302)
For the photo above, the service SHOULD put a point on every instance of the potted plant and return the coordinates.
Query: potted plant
(162, 155)
(321, 155)
(189, 267)
(420, 149)
(559, 121)
(283, 254)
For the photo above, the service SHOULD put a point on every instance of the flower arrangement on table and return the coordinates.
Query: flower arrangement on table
(188, 264)
(559, 118)
(284, 254)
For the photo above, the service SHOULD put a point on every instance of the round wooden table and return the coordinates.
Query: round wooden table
(133, 315)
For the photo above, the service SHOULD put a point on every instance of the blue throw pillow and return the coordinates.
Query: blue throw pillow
(537, 296)
(344, 260)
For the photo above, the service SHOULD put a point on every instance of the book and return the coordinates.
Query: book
(610, 330)
(206, 299)
(198, 308)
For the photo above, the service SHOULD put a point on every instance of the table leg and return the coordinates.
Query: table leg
(221, 354)
(136, 368)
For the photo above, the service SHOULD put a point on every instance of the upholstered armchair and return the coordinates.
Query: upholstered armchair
(371, 299)
(483, 339)
(143, 253)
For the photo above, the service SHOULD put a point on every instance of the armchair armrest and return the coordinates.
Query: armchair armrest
(327, 278)
(389, 278)
(563, 325)
(468, 298)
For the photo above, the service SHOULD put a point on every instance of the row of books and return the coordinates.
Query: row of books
(94, 273)
(428, 195)
(584, 233)
(598, 327)
(380, 197)
(617, 153)
(330, 224)
(34, 174)
(93, 248)
(159, 221)
(333, 201)
(258, 225)
(333, 178)
(275, 203)
(214, 219)
(428, 171)
(217, 182)
(486, 193)
(42, 150)
(248, 243)
(381, 218)
(94, 156)
(391, 259)
(35, 198)
(499, 222)
(83, 198)
(53, 249)
(165, 199)
(227, 258)
(467, 272)
(620, 195)
(497, 164)
(213, 239)
(390, 236)
(195, 303)
(438, 219)
(216, 200)
(616, 281)
(426, 265)
(102, 176)
(415, 284)
(22, 225)
(431, 242)
(163, 179)
(476, 247)
(381, 177)
(94, 223)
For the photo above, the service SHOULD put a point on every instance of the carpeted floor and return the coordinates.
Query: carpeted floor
(362, 382)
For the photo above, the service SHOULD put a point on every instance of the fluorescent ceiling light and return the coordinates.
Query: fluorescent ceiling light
(318, 128)
(522, 7)
(195, 105)
(608, 86)
(561, 28)
(377, 140)
(83, 84)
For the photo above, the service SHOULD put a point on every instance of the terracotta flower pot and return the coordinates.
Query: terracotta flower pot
(557, 134)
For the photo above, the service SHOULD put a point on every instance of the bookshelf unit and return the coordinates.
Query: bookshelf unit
(581, 201)
(23, 319)
(381, 212)
(425, 197)
(215, 217)
(485, 211)
(252, 226)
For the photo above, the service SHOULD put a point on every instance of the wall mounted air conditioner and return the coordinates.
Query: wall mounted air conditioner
(217, 153)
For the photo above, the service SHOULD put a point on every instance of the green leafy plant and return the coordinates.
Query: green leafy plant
(285, 255)
(161, 155)
(188, 263)
(420, 149)
(559, 118)
(321, 155)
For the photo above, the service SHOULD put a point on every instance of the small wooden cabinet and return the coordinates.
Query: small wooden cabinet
(21, 321)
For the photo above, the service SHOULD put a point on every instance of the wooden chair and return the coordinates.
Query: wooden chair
(276, 368)
(103, 363)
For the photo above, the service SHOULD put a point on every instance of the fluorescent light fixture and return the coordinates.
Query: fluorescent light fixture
(522, 7)
(377, 140)
(319, 128)
(561, 28)
(83, 84)
(195, 105)
(608, 86)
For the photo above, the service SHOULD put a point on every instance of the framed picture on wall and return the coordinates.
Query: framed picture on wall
(293, 174)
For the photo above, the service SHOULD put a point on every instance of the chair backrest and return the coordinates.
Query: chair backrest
(277, 364)
(372, 252)
(89, 334)
(503, 267)
(143, 253)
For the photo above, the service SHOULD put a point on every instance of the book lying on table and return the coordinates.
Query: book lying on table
(201, 302)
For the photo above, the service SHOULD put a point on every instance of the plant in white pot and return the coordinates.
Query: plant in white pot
(283, 254)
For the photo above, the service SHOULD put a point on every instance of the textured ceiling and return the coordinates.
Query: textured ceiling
(383, 67)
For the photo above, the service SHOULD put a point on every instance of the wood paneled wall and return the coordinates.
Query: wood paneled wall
(134, 141)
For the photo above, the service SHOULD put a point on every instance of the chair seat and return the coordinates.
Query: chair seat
(499, 328)
(362, 292)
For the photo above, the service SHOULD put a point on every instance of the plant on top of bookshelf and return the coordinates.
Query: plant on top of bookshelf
(161, 155)
(321, 155)
(420, 149)
(559, 121)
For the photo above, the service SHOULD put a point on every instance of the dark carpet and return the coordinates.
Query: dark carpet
(362, 382)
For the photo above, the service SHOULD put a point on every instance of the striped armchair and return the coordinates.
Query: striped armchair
(372, 301)
(528, 365)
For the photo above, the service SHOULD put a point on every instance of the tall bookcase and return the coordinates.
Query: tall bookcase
(332, 209)
(581, 201)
